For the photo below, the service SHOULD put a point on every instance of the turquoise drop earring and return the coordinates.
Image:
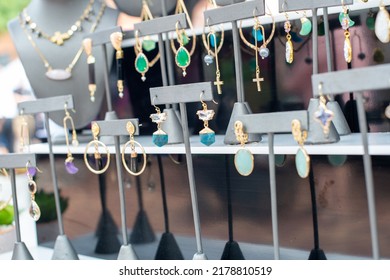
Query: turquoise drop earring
(302, 159)
(160, 137)
(243, 159)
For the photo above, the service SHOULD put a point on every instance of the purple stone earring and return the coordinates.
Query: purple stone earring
(69, 165)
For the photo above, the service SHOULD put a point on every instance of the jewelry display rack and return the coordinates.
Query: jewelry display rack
(271, 123)
(359, 80)
(163, 25)
(11, 162)
(63, 249)
(183, 94)
(168, 248)
(233, 13)
(117, 128)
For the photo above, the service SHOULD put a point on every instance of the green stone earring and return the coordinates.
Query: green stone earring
(160, 137)
(182, 56)
(207, 135)
(141, 61)
(302, 159)
(243, 159)
(305, 25)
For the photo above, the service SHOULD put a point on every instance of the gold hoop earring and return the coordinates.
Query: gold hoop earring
(116, 41)
(34, 210)
(69, 164)
(211, 41)
(302, 159)
(97, 155)
(133, 155)
(87, 45)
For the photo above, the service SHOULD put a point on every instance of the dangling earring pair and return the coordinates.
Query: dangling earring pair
(182, 55)
(69, 164)
(98, 160)
(212, 42)
(142, 63)
(207, 135)
(258, 33)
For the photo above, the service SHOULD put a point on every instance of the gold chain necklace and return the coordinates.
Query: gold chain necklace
(60, 74)
(58, 37)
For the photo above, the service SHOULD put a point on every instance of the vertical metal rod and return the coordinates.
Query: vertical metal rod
(16, 207)
(229, 198)
(106, 78)
(163, 64)
(274, 201)
(163, 193)
(368, 176)
(121, 190)
(54, 176)
(238, 63)
(314, 208)
(329, 59)
(191, 177)
(171, 74)
(139, 193)
(315, 41)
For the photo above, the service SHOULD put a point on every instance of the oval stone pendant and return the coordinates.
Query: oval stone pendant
(34, 211)
(58, 74)
(183, 59)
(142, 65)
(289, 52)
(382, 25)
(347, 50)
(302, 163)
(244, 162)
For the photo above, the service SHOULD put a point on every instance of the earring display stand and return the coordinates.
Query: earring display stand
(271, 123)
(117, 128)
(164, 25)
(13, 161)
(63, 249)
(233, 13)
(183, 94)
(316, 135)
(359, 80)
(167, 248)
(107, 229)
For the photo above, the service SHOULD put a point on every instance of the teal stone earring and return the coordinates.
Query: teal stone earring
(141, 61)
(207, 135)
(306, 25)
(243, 159)
(160, 137)
(302, 159)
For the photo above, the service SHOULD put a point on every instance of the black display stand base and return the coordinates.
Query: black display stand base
(317, 254)
(232, 251)
(168, 248)
(107, 234)
(142, 230)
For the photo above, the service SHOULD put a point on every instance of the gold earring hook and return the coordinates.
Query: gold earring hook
(201, 99)
(155, 107)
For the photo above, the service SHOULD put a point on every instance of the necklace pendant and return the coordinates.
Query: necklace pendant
(58, 74)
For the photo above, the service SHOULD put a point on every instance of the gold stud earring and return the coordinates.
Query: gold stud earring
(116, 41)
(243, 159)
(302, 159)
(98, 160)
(87, 45)
(133, 154)
(69, 164)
